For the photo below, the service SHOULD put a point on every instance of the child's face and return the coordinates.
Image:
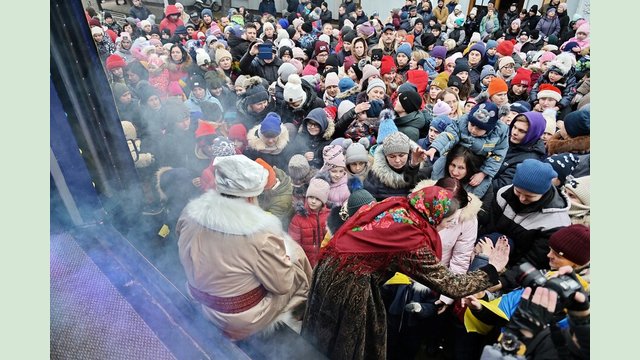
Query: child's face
(475, 131)
(581, 36)
(376, 63)
(352, 74)
(554, 76)
(492, 51)
(509, 117)
(357, 167)
(433, 133)
(126, 98)
(337, 173)
(500, 98)
(314, 203)
(332, 90)
(468, 106)
(313, 128)
(434, 91)
(487, 80)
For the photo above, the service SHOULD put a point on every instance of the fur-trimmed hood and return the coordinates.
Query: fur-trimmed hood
(327, 134)
(469, 212)
(231, 215)
(254, 141)
(346, 94)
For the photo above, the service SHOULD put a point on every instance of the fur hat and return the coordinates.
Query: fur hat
(396, 142)
(497, 85)
(270, 125)
(578, 123)
(534, 176)
(319, 188)
(441, 108)
(298, 167)
(293, 90)
(550, 91)
(572, 243)
(237, 175)
(561, 64)
(333, 156)
(484, 116)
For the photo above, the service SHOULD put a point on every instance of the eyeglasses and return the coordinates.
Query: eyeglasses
(312, 124)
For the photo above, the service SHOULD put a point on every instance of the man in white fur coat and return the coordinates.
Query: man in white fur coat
(242, 268)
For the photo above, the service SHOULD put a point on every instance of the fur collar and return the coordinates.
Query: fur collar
(231, 216)
(557, 145)
(353, 91)
(384, 172)
(469, 212)
(253, 138)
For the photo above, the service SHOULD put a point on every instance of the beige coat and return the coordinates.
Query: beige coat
(229, 247)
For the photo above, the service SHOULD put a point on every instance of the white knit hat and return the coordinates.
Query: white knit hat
(293, 90)
(331, 80)
(202, 57)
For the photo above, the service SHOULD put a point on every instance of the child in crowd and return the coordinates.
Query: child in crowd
(308, 226)
(301, 174)
(335, 167)
(357, 158)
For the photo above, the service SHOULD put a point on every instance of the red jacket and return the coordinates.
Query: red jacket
(308, 229)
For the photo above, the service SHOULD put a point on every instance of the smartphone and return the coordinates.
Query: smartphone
(264, 51)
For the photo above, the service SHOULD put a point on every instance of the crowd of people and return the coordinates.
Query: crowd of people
(378, 186)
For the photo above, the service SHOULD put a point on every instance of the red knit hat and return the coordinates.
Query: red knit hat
(497, 85)
(205, 128)
(115, 61)
(548, 90)
(387, 65)
(572, 243)
(523, 77)
(505, 48)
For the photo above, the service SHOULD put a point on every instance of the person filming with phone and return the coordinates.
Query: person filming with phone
(261, 60)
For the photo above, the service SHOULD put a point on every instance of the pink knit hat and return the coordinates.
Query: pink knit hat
(547, 56)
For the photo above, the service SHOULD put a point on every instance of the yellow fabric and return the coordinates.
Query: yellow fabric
(399, 279)
(474, 325)
(325, 241)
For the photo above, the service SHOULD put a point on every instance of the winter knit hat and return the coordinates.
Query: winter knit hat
(578, 123)
(205, 128)
(387, 125)
(441, 80)
(285, 70)
(549, 91)
(297, 64)
(365, 29)
(404, 48)
(520, 107)
(546, 56)
(298, 167)
(522, 77)
(237, 132)
(454, 81)
(461, 65)
(440, 122)
(563, 164)
(344, 107)
(376, 83)
(484, 116)
(202, 58)
(369, 71)
(345, 84)
(387, 65)
(319, 189)
(441, 108)
(240, 81)
(439, 52)
(497, 85)
(356, 152)
(237, 175)
(396, 142)
(222, 146)
(505, 48)
(222, 53)
(357, 199)
(492, 44)
(504, 61)
(534, 176)
(320, 47)
(270, 126)
(333, 156)
(272, 180)
(115, 61)
(293, 90)
(119, 89)
(572, 243)
(479, 47)
(486, 71)
(581, 188)
(97, 30)
(331, 80)
(410, 100)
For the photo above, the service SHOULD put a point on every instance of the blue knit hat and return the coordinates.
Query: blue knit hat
(534, 176)
(404, 49)
(578, 123)
(486, 71)
(479, 47)
(520, 106)
(484, 115)
(283, 23)
(491, 44)
(206, 12)
(387, 125)
(270, 125)
(345, 84)
(440, 123)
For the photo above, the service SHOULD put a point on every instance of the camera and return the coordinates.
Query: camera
(565, 286)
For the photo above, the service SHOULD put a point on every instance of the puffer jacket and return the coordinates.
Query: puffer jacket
(278, 200)
(308, 228)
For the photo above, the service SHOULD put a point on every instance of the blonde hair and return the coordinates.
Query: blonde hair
(450, 90)
(419, 54)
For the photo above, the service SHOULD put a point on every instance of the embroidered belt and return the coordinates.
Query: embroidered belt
(230, 305)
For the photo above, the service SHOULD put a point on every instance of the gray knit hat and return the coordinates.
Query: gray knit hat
(396, 143)
(298, 167)
(356, 152)
(319, 189)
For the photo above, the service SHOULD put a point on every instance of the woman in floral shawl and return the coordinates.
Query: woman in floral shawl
(345, 316)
